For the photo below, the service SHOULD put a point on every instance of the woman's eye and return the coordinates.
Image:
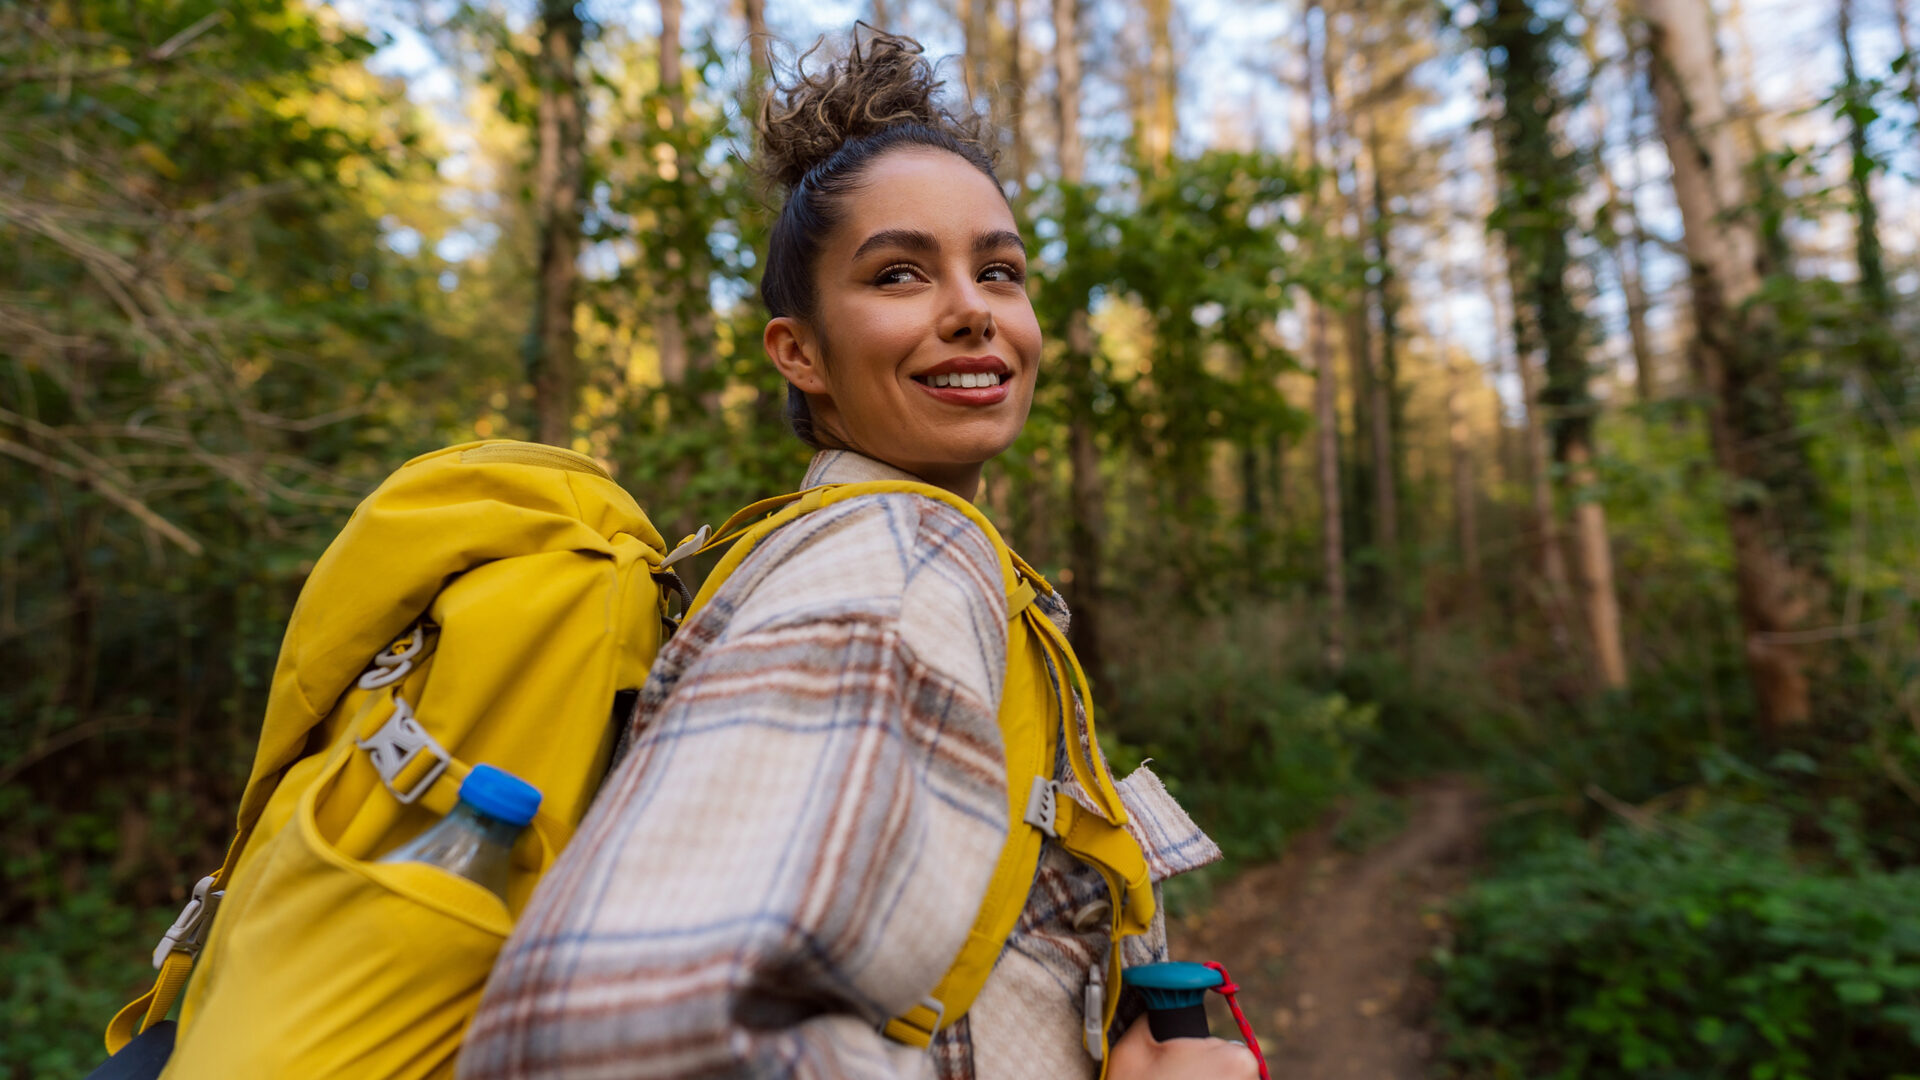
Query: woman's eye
(897, 275)
(1001, 272)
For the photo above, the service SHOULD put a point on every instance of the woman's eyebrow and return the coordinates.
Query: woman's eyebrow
(910, 239)
(994, 241)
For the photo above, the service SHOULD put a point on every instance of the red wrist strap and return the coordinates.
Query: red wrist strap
(1228, 988)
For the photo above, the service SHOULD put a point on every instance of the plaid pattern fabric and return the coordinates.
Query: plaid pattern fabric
(794, 846)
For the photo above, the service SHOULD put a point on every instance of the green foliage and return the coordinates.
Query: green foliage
(1370, 818)
(1253, 753)
(1685, 948)
(60, 981)
(1208, 252)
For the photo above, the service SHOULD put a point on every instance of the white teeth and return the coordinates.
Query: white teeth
(965, 381)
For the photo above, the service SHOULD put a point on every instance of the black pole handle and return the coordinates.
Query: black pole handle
(1184, 1022)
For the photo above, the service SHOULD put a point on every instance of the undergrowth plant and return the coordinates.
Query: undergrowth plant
(1686, 947)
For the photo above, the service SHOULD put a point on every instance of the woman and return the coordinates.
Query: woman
(795, 846)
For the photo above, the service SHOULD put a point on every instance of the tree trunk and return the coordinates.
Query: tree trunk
(1535, 217)
(1386, 509)
(1326, 418)
(1066, 65)
(1326, 414)
(1015, 89)
(975, 15)
(1363, 509)
(1633, 283)
(1546, 523)
(670, 331)
(1776, 565)
(1466, 508)
(759, 43)
(1595, 555)
(1386, 382)
(1880, 352)
(1626, 242)
(1162, 81)
(557, 182)
(1086, 499)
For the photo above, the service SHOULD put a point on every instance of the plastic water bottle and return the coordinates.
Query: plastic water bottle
(476, 839)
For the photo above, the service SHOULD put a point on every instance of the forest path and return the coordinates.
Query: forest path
(1327, 944)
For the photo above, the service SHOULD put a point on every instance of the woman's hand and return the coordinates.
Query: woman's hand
(1139, 1056)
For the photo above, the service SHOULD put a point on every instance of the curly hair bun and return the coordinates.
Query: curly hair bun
(883, 81)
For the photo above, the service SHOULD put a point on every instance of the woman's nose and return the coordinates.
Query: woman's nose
(968, 318)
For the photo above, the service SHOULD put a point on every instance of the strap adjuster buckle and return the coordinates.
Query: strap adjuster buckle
(1043, 805)
(189, 930)
(400, 740)
(390, 667)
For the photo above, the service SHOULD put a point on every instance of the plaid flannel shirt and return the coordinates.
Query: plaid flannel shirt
(795, 844)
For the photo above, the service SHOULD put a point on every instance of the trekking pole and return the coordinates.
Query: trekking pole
(1176, 996)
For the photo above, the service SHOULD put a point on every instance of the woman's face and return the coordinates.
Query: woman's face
(924, 347)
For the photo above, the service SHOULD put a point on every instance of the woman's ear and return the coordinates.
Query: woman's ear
(795, 350)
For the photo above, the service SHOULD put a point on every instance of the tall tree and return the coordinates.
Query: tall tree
(759, 42)
(1538, 184)
(1773, 513)
(1546, 520)
(670, 324)
(1086, 524)
(1159, 87)
(559, 173)
(1013, 80)
(976, 20)
(1357, 336)
(1625, 244)
(1326, 386)
(1466, 506)
(1881, 355)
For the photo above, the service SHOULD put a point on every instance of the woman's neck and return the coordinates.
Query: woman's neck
(838, 464)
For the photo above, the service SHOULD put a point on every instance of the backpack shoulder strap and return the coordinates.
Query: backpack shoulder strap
(1037, 715)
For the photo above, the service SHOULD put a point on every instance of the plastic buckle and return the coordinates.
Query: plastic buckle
(1093, 1024)
(933, 1005)
(189, 930)
(396, 744)
(690, 546)
(390, 667)
(1043, 805)
(939, 1010)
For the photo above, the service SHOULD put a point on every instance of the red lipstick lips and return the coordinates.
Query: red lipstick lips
(991, 376)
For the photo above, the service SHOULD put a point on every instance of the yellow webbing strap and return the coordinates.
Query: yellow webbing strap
(1019, 599)
(153, 1006)
(915, 1027)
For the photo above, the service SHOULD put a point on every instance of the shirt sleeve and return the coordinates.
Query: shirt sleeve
(798, 842)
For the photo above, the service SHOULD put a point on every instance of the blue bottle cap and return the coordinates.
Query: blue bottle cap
(1171, 985)
(500, 794)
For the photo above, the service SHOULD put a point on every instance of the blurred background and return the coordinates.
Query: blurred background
(1476, 441)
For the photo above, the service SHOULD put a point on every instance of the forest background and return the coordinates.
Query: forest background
(1514, 387)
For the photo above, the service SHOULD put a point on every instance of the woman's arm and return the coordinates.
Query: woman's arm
(797, 844)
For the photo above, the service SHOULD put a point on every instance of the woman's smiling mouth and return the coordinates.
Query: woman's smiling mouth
(968, 380)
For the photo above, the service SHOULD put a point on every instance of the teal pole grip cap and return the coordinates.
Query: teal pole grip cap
(1176, 996)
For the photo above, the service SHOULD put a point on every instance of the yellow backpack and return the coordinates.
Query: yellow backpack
(490, 603)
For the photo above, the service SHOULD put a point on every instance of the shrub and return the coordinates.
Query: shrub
(1682, 950)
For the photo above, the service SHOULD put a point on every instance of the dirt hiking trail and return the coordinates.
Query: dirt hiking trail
(1327, 945)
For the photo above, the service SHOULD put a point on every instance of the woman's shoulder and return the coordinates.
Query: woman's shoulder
(877, 556)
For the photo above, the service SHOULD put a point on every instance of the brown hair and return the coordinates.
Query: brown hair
(820, 132)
